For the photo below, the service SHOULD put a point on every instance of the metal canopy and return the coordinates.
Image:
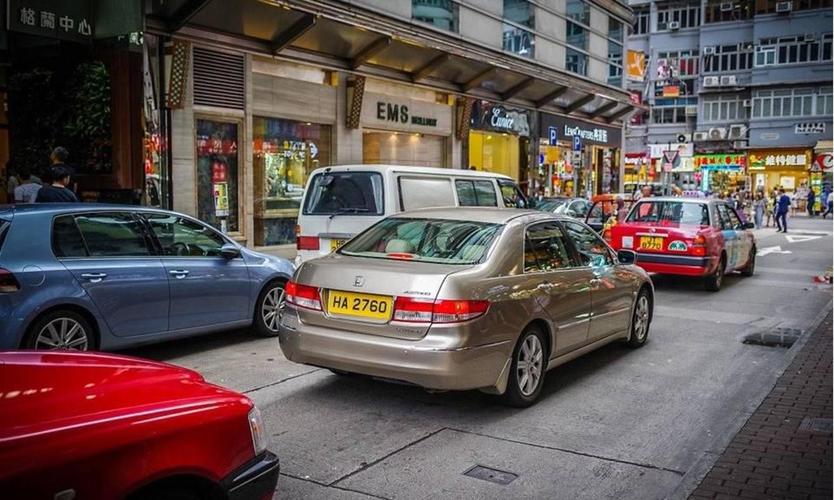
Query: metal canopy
(343, 36)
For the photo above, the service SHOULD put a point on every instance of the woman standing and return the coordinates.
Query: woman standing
(771, 207)
(760, 206)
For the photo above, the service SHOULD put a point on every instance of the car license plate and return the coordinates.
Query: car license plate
(361, 305)
(335, 244)
(651, 243)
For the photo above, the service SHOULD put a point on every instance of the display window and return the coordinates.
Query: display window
(403, 148)
(218, 171)
(494, 152)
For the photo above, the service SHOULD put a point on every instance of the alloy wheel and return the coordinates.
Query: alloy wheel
(529, 365)
(641, 317)
(271, 307)
(63, 333)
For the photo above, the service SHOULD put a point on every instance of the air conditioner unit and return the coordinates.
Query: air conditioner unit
(739, 144)
(727, 6)
(692, 111)
(711, 81)
(809, 37)
(676, 25)
(700, 136)
(747, 103)
(709, 50)
(737, 131)
(784, 6)
(728, 80)
(717, 133)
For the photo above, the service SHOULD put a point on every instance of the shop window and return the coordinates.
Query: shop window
(217, 174)
(494, 152)
(476, 193)
(441, 14)
(398, 148)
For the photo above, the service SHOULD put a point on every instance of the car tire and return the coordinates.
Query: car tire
(750, 268)
(267, 309)
(524, 384)
(714, 281)
(61, 329)
(641, 319)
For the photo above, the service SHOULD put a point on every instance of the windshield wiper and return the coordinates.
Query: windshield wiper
(348, 210)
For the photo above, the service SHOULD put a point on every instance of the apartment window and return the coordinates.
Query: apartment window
(717, 11)
(725, 108)
(615, 63)
(686, 16)
(576, 35)
(641, 21)
(675, 113)
(787, 103)
(809, 48)
(579, 11)
(684, 63)
(769, 6)
(729, 58)
(442, 14)
(517, 39)
(615, 30)
(576, 61)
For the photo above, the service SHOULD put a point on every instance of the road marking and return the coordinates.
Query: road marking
(796, 238)
(769, 250)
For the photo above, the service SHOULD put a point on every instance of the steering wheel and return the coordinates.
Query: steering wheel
(179, 248)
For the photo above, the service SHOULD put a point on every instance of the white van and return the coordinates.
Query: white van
(340, 202)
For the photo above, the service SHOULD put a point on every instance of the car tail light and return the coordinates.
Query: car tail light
(303, 296)
(439, 311)
(699, 245)
(8, 283)
(307, 243)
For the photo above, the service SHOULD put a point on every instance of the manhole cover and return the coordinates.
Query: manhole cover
(492, 475)
(776, 337)
(822, 425)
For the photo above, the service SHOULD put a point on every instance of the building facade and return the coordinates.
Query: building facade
(740, 94)
(243, 104)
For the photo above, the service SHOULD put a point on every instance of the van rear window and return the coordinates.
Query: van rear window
(355, 193)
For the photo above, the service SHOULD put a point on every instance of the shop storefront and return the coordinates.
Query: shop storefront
(779, 168)
(403, 131)
(720, 173)
(637, 171)
(593, 169)
(499, 140)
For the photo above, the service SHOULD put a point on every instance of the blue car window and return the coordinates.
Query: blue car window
(112, 235)
(184, 238)
(66, 238)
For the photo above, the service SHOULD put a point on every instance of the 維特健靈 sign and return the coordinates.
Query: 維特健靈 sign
(67, 20)
(592, 134)
(798, 159)
(405, 115)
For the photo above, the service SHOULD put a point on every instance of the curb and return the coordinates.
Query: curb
(696, 473)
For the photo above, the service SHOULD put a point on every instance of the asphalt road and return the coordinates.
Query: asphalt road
(617, 423)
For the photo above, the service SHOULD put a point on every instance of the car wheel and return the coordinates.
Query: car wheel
(267, 310)
(640, 319)
(716, 279)
(61, 330)
(528, 369)
(750, 268)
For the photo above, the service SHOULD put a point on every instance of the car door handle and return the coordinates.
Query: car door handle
(94, 277)
(178, 273)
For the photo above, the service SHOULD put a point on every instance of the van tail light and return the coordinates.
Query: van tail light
(8, 283)
(307, 243)
(699, 245)
(302, 296)
(438, 311)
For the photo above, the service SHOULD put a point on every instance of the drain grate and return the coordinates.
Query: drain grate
(822, 425)
(776, 337)
(492, 475)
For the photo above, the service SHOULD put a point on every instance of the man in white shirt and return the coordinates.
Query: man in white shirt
(28, 189)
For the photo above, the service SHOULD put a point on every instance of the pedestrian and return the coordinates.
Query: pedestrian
(760, 205)
(13, 181)
(783, 204)
(812, 199)
(826, 201)
(28, 189)
(57, 192)
(771, 204)
(58, 158)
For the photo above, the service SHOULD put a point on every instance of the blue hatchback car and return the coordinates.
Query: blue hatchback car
(102, 277)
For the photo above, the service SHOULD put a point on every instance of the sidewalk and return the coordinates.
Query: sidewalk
(784, 449)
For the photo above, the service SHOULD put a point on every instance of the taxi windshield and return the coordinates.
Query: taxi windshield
(670, 212)
(425, 240)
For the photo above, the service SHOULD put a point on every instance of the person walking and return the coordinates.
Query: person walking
(28, 189)
(827, 201)
(57, 192)
(12, 182)
(783, 205)
(812, 199)
(769, 207)
(759, 205)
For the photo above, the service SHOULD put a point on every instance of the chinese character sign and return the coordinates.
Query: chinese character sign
(67, 20)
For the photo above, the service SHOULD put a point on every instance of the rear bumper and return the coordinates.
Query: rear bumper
(675, 264)
(420, 362)
(255, 479)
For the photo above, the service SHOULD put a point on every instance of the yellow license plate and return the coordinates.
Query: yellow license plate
(651, 243)
(335, 244)
(361, 305)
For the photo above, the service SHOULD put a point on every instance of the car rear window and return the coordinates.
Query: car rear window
(332, 193)
(670, 212)
(66, 238)
(425, 240)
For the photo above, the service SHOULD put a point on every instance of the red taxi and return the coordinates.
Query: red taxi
(687, 236)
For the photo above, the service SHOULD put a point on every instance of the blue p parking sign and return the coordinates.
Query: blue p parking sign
(552, 135)
(577, 143)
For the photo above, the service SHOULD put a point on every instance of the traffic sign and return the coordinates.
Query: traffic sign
(577, 143)
(553, 136)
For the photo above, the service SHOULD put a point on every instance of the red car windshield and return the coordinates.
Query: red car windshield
(672, 213)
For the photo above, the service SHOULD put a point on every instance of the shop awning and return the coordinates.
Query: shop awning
(357, 40)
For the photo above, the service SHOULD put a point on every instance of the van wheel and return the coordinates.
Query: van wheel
(528, 369)
(61, 329)
(714, 281)
(750, 268)
(268, 309)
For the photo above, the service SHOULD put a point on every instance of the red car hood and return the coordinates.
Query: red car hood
(48, 391)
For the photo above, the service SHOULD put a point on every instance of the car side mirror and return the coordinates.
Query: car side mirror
(230, 251)
(626, 256)
(748, 225)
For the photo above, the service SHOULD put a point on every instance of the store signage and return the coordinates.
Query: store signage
(779, 160)
(63, 20)
(489, 116)
(393, 112)
(719, 161)
(592, 133)
(685, 150)
(402, 114)
(809, 128)
(825, 161)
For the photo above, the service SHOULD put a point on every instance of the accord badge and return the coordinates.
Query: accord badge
(358, 281)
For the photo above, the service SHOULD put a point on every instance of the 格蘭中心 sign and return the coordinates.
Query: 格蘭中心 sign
(67, 20)
(589, 133)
